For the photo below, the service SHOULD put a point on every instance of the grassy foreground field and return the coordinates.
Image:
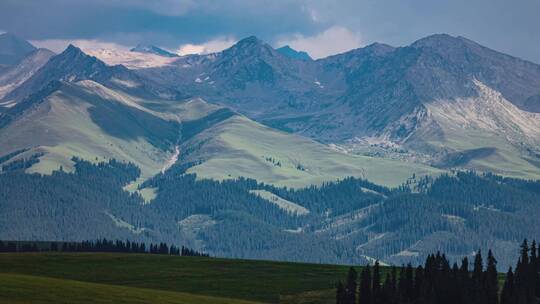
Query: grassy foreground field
(145, 278)
(16, 288)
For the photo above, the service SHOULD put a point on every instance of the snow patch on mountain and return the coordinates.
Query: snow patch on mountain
(131, 60)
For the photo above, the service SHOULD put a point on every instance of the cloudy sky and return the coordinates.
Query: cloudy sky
(319, 27)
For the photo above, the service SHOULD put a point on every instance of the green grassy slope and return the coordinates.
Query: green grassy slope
(147, 278)
(92, 122)
(234, 279)
(32, 289)
(238, 147)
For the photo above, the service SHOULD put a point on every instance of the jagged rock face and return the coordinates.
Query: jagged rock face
(71, 65)
(377, 93)
(249, 76)
(74, 65)
(292, 53)
(13, 49)
(28, 66)
(151, 49)
(359, 93)
(466, 60)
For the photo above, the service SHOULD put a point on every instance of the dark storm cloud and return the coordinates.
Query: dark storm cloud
(165, 22)
(508, 26)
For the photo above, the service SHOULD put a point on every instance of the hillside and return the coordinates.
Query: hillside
(87, 120)
(350, 221)
(21, 288)
(146, 278)
(382, 101)
(97, 112)
(231, 146)
(83, 119)
(15, 75)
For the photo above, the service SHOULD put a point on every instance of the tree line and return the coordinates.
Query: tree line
(103, 245)
(89, 203)
(439, 282)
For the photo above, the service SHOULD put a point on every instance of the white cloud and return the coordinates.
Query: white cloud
(211, 46)
(59, 45)
(332, 41)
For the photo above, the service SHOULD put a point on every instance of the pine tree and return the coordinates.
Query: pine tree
(365, 294)
(465, 281)
(340, 293)
(508, 294)
(444, 289)
(376, 284)
(409, 282)
(538, 273)
(477, 279)
(350, 287)
(393, 286)
(388, 291)
(524, 289)
(491, 283)
(418, 283)
(535, 269)
(455, 285)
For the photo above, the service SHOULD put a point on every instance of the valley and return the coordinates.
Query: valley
(258, 153)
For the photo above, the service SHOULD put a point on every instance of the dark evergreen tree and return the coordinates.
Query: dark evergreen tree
(340, 293)
(455, 285)
(387, 294)
(350, 287)
(438, 283)
(491, 281)
(103, 245)
(409, 282)
(508, 294)
(393, 286)
(376, 284)
(523, 280)
(419, 283)
(465, 281)
(364, 294)
(535, 269)
(478, 295)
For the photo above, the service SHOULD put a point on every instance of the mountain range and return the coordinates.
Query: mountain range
(399, 120)
(378, 100)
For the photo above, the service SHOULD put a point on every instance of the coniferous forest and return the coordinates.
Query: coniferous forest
(438, 281)
(349, 221)
(103, 245)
